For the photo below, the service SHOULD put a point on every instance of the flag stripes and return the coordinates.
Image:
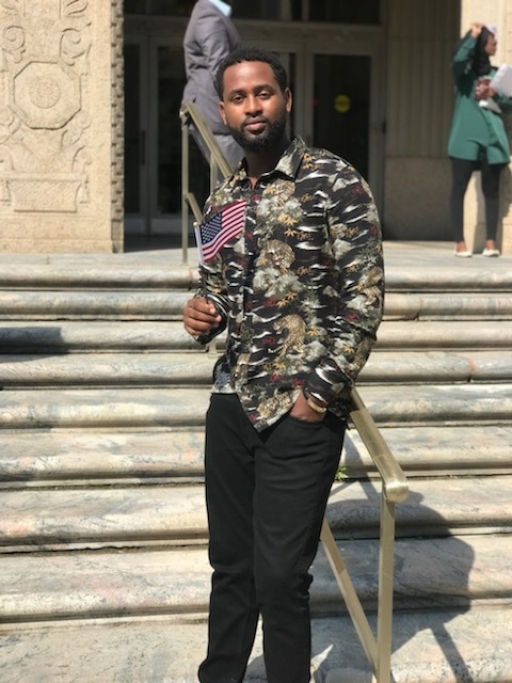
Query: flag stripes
(212, 235)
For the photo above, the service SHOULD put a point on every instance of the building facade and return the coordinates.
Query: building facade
(90, 142)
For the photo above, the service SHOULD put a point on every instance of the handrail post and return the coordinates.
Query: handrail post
(190, 116)
(185, 160)
(214, 172)
(385, 608)
(394, 490)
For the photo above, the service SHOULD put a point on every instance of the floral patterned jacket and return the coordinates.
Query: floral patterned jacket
(301, 288)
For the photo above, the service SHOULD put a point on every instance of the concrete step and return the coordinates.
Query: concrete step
(109, 584)
(433, 450)
(442, 305)
(433, 334)
(98, 274)
(76, 336)
(74, 458)
(175, 368)
(438, 366)
(143, 408)
(107, 369)
(439, 404)
(71, 458)
(429, 646)
(136, 516)
(83, 304)
(129, 303)
(102, 408)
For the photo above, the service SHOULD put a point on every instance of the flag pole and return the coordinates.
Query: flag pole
(197, 233)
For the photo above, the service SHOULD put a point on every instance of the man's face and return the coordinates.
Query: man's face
(254, 107)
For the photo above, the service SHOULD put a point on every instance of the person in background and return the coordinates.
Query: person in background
(210, 36)
(292, 266)
(477, 138)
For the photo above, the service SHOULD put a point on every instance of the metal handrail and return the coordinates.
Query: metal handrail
(394, 483)
(190, 116)
(394, 490)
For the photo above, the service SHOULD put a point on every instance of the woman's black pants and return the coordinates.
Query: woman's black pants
(266, 495)
(462, 170)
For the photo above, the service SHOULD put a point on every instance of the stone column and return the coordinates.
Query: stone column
(61, 161)
(499, 13)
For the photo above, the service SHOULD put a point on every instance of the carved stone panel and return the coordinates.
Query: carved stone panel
(44, 95)
(55, 115)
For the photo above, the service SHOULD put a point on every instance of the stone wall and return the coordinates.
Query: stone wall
(117, 81)
(60, 125)
(419, 105)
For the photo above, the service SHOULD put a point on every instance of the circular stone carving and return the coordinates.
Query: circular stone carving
(45, 95)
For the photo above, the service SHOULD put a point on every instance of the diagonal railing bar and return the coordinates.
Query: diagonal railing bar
(394, 483)
(190, 116)
(394, 490)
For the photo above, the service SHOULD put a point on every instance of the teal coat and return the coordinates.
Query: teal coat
(474, 128)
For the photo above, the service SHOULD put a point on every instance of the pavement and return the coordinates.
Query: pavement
(159, 251)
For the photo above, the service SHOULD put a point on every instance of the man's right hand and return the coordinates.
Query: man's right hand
(200, 316)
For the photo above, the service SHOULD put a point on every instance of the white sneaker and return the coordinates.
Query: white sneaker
(490, 252)
(463, 254)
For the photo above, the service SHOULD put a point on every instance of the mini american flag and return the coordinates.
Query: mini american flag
(212, 235)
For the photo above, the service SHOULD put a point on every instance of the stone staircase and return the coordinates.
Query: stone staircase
(103, 568)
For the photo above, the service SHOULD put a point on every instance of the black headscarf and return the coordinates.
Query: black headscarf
(480, 62)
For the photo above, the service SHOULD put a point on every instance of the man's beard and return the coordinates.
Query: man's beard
(273, 133)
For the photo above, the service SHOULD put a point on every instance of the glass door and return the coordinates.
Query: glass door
(341, 106)
(165, 142)
(346, 114)
(136, 162)
(337, 97)
(154, 83)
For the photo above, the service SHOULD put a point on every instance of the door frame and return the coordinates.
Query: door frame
(342, 40)
(304, 41)
(376, 126)
(141, 223)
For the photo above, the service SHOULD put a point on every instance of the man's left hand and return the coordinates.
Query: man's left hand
(302, 411)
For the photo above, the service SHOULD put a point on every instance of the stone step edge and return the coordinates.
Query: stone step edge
(62, 302)
(142, 274)
(41, 520)
(178, 581)
(186, 367)
(74, 458)
(431, 646)
(139, 415)
(405, 334)
(99, 278)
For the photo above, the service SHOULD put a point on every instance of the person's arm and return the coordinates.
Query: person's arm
(462, 58)
(354, 228)
(484, 91)
(503, 102)
(206, 314)
(211, 34)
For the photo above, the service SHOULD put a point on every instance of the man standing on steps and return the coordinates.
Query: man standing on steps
(210, 36)
(292, 267)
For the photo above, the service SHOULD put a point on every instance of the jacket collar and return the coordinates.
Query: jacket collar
(223, 7)
(288, 165)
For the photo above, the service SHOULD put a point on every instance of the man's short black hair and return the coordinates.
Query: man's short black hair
(250, 54)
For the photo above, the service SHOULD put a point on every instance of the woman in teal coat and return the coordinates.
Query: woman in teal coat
(477, 137)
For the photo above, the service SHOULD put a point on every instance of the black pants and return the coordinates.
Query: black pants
(266, 495)
(462, 170)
